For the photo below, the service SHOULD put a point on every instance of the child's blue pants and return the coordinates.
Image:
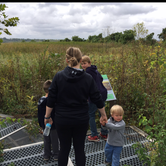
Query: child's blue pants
(112, 154)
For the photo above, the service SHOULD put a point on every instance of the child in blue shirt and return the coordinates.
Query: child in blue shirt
(52, 139)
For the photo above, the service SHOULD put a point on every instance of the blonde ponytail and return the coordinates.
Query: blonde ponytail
(73, 55)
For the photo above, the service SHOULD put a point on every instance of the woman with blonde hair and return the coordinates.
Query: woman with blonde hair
(69, 93)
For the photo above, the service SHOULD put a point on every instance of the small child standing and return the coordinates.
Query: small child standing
(52, 139)
(92, 70)
(115, 140)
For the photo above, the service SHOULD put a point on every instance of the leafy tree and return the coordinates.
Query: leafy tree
(140, 30)
(108, 38)
(6, 22)
(95, 39)
(76, 39)
(83, 40)
(112, 37)
(67, 40)
(149, 39)
(118, 36)
(128, 35)
(89, 38)
(163, 34)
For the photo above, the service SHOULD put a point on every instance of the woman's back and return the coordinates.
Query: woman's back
(70, 89)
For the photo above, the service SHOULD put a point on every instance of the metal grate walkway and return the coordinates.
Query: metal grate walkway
(9, 128)
(32, 154)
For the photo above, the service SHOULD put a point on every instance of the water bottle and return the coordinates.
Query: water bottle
(47, 129)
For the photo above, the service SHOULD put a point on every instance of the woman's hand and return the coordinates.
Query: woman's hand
(47, 115)
(103, 120)
(48, 121)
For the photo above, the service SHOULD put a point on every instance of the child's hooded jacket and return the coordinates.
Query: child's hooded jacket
(92, 70)
(42, 111)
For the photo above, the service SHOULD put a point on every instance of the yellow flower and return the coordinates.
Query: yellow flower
(152, 54)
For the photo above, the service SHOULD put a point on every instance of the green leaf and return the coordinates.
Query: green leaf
(140, 122)
(18, 120)
(7, 32)
(164, 65)
(14, 120)
(8, 118)
(9, 121)
(161, 62)
(147, 128)
(145, 123)
(2, 7)
(150, 121)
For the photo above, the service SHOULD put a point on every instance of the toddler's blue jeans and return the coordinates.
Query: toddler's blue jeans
(92, 109)
(112, 154)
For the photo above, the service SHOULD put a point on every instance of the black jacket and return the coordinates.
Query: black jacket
(92, 70)
(42, 111)
(70, 90)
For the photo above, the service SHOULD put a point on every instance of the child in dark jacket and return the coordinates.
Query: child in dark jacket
(52, 139)
(92, 70)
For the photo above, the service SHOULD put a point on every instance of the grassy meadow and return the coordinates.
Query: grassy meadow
(137, 74)
(135, 71)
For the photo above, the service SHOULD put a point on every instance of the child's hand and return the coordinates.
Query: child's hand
(103, 121)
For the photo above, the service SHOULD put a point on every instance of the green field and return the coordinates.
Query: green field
(137, 74)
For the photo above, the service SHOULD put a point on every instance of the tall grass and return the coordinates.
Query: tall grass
(136, 73)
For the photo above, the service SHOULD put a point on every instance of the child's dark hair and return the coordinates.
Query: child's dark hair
(46, 85)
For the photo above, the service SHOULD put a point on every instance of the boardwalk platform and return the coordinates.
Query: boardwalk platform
(23, 150)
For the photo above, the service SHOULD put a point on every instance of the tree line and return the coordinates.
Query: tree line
(138, 33)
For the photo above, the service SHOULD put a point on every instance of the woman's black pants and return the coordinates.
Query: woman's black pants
(67, 134)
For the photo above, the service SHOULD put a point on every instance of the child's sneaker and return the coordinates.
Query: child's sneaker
(95, 138)
(55, 158)
(46, 158)
(107, 163)
(104, 136)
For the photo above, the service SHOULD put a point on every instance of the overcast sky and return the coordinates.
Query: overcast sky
(64, 20)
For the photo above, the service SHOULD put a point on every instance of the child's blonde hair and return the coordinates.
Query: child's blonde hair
(46, 85)
(116, 109)
(86, 58)
(73, 55)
